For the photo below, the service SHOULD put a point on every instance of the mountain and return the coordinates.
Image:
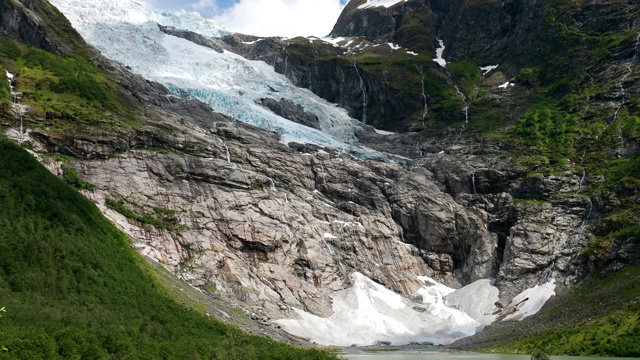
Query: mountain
(506, 170)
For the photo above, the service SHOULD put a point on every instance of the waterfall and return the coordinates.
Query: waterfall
(227, 149)
(473, 182)
(16, 103)
(623, 91)
(10, 79)
(286, 60)
(466, 104)
(466, 114)
(424, 96)
(273, 184)
(364, 95)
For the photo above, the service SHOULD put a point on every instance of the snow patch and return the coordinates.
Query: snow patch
(530, 301)
(329, 236)
(412, 53)
(506, 85)
(439, 51)
(376, 3)
(251, 42)
(368, 312)
(394, 46)
(487, 69)
(383, 132)
(477, 300)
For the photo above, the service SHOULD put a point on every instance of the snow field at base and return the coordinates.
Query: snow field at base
(530, 301)
(227, 82)
(376, 3)
(368, 313)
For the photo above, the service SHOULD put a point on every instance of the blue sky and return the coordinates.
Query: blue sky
(265, 17)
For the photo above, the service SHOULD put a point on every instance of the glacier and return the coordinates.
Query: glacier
(126, 31)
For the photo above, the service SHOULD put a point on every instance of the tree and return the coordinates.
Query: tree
(540, 355)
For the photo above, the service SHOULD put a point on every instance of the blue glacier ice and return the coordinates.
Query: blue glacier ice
(127, 31)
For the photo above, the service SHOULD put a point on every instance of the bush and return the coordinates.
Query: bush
(540, 355)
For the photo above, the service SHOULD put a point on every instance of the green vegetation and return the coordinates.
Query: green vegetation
(601, 318)
(467, 76)
(540, 355)
(68, 93)
(71, 177)
(161, 218)
(76, 288)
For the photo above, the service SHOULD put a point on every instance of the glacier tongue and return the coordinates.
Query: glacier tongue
(125, 31)
(368, 313)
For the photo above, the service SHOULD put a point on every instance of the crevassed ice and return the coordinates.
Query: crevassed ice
(83, 13)
(229, 83)
(368, 313)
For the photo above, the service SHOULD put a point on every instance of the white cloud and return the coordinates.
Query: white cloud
(204, 6)
(281, 17)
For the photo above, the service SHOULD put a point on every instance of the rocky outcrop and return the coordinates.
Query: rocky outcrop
(39, 24)
(290, 111)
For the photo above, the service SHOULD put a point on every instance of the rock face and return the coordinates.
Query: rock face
(277, 229)
(290, 111)
(40, 24)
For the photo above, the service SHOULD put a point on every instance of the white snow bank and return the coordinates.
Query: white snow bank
(412, 53)
(530, 301)
(506, 85)
(486, 69)
(439, 51)
(394, 46)
(477, 300)
(376, 3)
(383, 132)
(251, 42)
(329, 236)
(368, 313)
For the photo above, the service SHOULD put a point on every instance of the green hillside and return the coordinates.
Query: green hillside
(74, 288)
(601, 318)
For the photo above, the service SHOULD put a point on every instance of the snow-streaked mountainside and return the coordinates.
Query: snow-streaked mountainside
(127, 31)
(365, 313)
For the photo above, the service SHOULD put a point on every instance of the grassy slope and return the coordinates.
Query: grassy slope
(67, 92)
(600, 318)
(73, 286)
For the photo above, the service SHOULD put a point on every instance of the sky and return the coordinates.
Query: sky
(265, 17)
